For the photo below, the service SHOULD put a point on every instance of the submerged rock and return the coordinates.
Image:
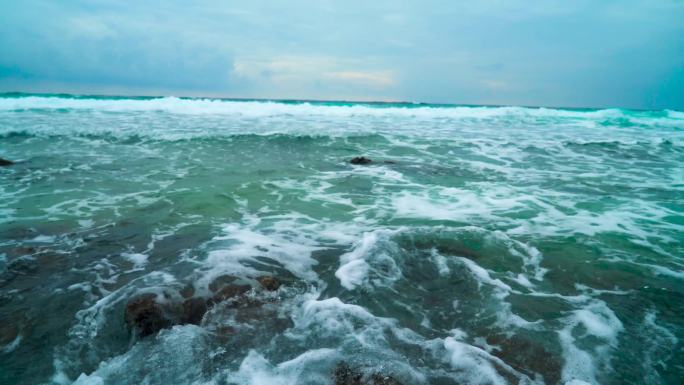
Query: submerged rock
(8, 333)
(528, 357)
(23, 266)
(381, 379)
(269, 283)
(5, 162)
(360, 160)
(193, 310)
(231, 291)
(145, 316)
(221, 281)
(23, 250)
(345, 375)
(187, 291)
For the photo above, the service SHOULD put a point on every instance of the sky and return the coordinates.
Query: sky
(581, 53)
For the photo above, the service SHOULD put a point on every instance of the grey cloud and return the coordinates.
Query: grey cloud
(581, 53)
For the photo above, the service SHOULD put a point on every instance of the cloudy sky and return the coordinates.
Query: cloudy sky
(599, 53)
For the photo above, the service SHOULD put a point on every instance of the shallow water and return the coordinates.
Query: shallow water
(483, 245)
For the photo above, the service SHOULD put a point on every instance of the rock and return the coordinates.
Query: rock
(225, 289)
(8, 333)
(23, 266)
(145, 316)
(221, 281)
(381, 379)
(5, 162)
(187, 291)
(269, 283)
(23, 250)
(344, 375)
(451, 248)
(528, 357)
(223, 330)
(231, 291)
(360, 160)
(193, 310)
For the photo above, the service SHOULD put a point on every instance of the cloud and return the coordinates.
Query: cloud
(371, 79)
(113, 49)
(579, 53)
(327, 77)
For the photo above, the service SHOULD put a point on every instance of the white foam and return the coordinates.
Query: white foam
(172, 358)
(352, 273)
(675, 114)
(597, 320)
(255, 369)
(456, 204)
(334, 315)
(579, 364)
(576, 382)
(472, 363)
(8, 348)
(269, 109)
(44, 239)
(598, 324)
(354, 268)
(482, 275)
(441, 262)
(240, 243)
(137, 259)
(660, 344)
(85, 223)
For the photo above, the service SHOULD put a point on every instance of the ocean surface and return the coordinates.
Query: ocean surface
(482, 245)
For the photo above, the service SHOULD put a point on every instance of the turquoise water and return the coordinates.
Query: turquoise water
(483, 245)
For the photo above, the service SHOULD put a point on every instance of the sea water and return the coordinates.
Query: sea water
(482, 245)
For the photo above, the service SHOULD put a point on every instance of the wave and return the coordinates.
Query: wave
(253, 108)
(199, 136)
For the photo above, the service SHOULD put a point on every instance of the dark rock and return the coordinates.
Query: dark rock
(249, 311)
(231, 291)
(360, 160)
(225, 289)
(23, 250)
(451, 248)
(223, 330)
(24, 269)
(145, 316)
(8, 332)
(381, 379)
(187, 292)
(193, 310)
(221, 281)
(345, 375)
(269, 283)
(528, 357)
(23, 266)
(5, 162)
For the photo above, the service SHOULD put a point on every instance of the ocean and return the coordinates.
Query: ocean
(212, 241)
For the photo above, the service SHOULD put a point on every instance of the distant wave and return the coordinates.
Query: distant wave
(275, 108)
